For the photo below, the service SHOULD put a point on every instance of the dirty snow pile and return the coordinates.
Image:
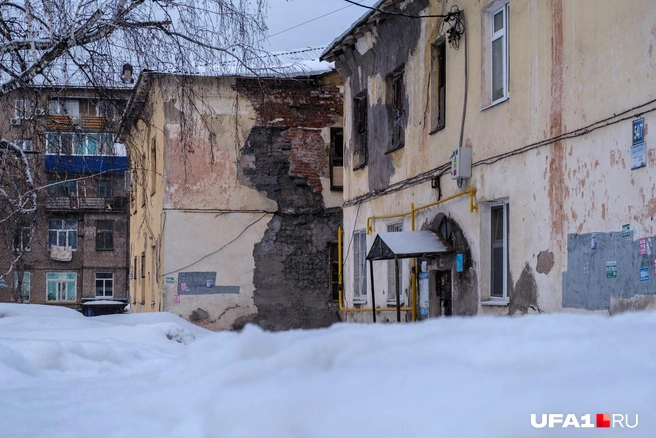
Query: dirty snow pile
(156, 375)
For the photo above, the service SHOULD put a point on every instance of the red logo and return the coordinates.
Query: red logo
(603, 420)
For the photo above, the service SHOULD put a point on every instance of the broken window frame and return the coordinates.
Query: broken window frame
(397, 110)
(360, 130)
(438, 85)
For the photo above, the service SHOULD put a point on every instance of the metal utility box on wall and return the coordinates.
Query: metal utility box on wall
(461, 160)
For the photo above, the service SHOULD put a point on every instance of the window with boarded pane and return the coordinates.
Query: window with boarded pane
(63, 232)
(499, 257)
(104, 235)
(22, 238)
(438, 86)
(360, 266)
(104, 284)
(61, 286)
(360, 147)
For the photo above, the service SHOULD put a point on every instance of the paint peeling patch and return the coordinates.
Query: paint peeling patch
(545, 262)
(524, 294)
(635, 303)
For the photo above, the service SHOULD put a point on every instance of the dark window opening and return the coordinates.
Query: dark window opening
(438, 86)
(104, 188)
(336, 159)
(104, 235)
(360, 150)
(398, 115)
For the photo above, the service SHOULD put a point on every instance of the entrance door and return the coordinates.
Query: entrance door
(443, 289)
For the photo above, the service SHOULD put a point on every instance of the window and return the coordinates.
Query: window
(104, 188)
(69, 143)
(22, 238)
(107, 109)
(360, 266)
(499, 257)
(58, 188)
(143, 265)
(104, 284)
(336, 159)
(499, 41)
(360, 149)
(24, 286)
(61, 286)
(104, 235)
(392, 279)
(333, 249)
(134, 269)
(397, 116)
(65, 107)
(438, 86)
(153, 166)
(63, 232)
(23, 109)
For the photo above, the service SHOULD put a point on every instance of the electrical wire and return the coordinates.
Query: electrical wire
(218, 250)
(400, 14)
(306, 22)
(440, 170)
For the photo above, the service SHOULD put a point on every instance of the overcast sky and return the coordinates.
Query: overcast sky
(324, 21)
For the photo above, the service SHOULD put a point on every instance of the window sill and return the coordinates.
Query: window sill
(360, 167)
(496, 302)
(359, 301)
(502, 100)
(436, 130)
(394, 149)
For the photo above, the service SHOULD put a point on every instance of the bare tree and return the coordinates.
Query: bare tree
(46, 41)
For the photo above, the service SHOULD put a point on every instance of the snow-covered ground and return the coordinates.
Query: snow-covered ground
(156, 375)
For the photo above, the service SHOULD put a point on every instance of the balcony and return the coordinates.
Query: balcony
(65, 203)
(65, 123)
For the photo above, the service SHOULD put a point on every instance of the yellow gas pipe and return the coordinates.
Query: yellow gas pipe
(413, 279)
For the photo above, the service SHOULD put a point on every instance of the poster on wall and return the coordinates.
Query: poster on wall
(643, 246)
(593, 241)
(611, 269)
(176, 298)
(626, 230)
(644, 274)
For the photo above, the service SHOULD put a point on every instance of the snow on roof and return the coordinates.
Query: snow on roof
(103, 303)
(406, 244)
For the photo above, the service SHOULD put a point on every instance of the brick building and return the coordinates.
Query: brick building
(236, 199)
(74, 247)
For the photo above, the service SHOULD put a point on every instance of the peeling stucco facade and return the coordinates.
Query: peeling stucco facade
(556, 149)
(233, 210)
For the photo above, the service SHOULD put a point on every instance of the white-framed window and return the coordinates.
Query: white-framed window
(61, 286)
(25, 286)
(23, 109)
(392, 279)
(500, 228)
(360, 266)
(499, 53)
(104, 284)
(62, 232)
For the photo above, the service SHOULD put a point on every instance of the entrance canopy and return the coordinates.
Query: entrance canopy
(407, 244)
